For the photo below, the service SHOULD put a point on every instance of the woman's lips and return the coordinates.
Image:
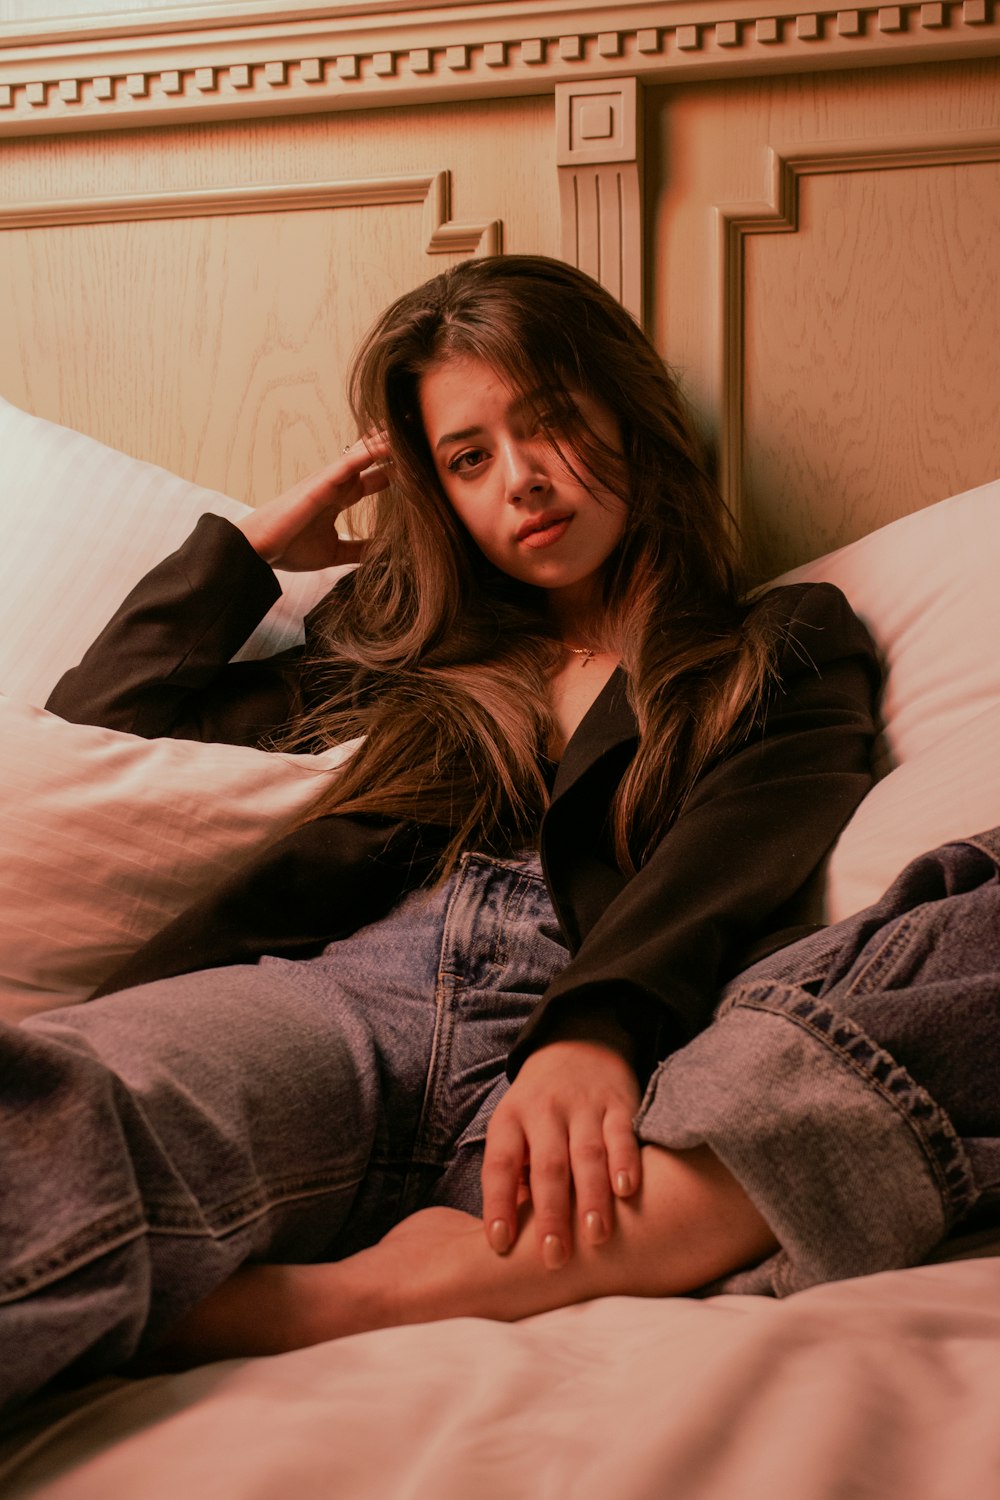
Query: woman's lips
(547, 535)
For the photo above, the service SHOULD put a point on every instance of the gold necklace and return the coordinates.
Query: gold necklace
(585, 651)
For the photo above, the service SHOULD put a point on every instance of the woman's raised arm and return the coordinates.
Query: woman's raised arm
(298, 531)
(162, 666)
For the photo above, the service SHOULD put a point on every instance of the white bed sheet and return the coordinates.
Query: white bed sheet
(886, 1386)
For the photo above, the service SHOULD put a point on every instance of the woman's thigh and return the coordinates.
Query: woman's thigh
(919, 972)
(499, 951)
(927, 988)
(156, 1139)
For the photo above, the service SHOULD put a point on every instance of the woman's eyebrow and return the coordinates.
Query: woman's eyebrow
(457, 437)
(518, 404)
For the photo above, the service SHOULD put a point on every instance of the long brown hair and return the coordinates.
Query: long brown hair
(448, 658)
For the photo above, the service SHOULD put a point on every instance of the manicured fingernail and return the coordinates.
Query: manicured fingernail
(594, 1225)
(623, 1184)
(553, 1252)
(500, 1236)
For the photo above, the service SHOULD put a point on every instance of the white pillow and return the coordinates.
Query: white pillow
(948, 792)
(81, 524)
(927, 588)
(104, 837)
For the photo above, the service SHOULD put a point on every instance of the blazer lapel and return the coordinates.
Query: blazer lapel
(608, 722)
(583, 878)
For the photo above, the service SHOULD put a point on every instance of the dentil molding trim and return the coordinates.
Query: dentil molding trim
(212, 62)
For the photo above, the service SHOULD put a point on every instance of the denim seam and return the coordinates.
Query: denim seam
(122, 1226)
(437, 1063)
(116, 1229)
(445, 972)
(515, 895)
(985, 842)
(449, 983)
(235, 1220)
(513, 866)
(223, 1217)
(888, 954)
(446, 985)
(926, 1120)
(501, 935)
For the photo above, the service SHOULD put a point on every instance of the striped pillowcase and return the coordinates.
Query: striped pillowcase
(81, 524)
(105, 837)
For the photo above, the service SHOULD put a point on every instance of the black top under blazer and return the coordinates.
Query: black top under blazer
(648, 951)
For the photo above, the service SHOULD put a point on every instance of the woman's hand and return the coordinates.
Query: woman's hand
(567, 1118)
(298, 530)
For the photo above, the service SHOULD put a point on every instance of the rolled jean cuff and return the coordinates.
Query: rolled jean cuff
(853, 1165)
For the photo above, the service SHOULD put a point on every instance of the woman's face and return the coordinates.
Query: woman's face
(525, 510)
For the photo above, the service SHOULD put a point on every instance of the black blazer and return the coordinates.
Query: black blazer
(649, 952)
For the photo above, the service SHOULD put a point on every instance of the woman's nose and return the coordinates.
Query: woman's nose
(524, 472)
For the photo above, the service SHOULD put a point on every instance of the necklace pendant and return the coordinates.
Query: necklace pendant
(585, 652)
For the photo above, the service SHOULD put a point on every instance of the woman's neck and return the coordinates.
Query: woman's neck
(579, 617)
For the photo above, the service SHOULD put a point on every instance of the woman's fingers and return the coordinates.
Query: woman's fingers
(624, 1157)
(562, 1171)
(358, 471)
(606, 1163)
(373, 480)
(502, 1179)
(298, 530)
(507, 1152)
(568, 1116)
(595, 1210)
(372, 448)
(576, 1171)
(551, 1191)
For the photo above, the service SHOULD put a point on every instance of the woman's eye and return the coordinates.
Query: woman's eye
(549, 419)
(463, 463)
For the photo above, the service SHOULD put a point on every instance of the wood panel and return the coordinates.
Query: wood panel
(834, 429)
(216, 345)
(871, 353)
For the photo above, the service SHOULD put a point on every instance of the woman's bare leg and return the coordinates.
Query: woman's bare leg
(690, 1223)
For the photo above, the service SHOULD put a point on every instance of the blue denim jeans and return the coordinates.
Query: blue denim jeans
(154, 1140)
(851, 1083)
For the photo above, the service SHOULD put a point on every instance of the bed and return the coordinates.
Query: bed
(202, 207)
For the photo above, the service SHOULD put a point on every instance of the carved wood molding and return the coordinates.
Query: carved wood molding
(780, 215)
(172, 66)
(432, 189)
(599, 161)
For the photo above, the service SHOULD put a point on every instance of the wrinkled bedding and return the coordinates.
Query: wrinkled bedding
(886, 1386)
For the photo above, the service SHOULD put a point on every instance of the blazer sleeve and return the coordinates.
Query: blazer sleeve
(754, 829)
(162, 665)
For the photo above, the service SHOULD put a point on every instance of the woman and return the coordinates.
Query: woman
(594, 780)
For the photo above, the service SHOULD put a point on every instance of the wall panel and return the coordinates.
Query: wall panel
(822, 253)
(216, 343)
(871, 357)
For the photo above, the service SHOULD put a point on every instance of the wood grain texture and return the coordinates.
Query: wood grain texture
(217, 346)
(882, 263)
(872, 354)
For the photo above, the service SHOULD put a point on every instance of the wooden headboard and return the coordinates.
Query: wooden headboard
(202, 207)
